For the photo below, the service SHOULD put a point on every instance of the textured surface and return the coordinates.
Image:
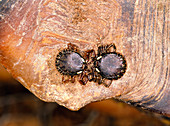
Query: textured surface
(34, 31)
(18, 107)
(110, 64)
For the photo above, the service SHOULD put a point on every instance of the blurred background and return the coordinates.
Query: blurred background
(19, 107)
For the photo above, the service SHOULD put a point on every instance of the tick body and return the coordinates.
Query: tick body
(111, 66)
(103, 67)
(69, 63)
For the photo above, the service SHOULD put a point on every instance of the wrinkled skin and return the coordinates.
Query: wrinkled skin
(33, 32)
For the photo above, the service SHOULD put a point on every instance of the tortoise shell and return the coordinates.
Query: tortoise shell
(33, 33)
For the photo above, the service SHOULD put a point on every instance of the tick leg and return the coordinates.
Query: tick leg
(83, 78)
(65, 79)
(107, 82)
(106, 49)
(89, 55)
(72, 47)
(72, 79)
(90, 76)
(111, 48)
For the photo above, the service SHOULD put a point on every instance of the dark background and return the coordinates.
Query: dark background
(19, 107)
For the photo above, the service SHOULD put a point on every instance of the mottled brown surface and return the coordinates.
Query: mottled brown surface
(19, 107)
(33, 32)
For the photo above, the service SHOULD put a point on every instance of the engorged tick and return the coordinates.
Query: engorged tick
(102, 68)
(69, 63)
(109, 65)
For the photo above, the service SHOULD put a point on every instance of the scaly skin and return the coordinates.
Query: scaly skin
(33, 32)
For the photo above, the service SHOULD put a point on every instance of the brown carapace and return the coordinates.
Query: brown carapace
(64, 50)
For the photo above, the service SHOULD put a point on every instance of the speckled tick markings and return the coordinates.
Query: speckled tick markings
(103, 68)
(109, 64)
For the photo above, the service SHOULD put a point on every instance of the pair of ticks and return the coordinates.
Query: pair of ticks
(103, 67)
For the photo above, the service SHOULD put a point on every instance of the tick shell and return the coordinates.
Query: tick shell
(111, 65)
(69, 63)
(34, 31)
